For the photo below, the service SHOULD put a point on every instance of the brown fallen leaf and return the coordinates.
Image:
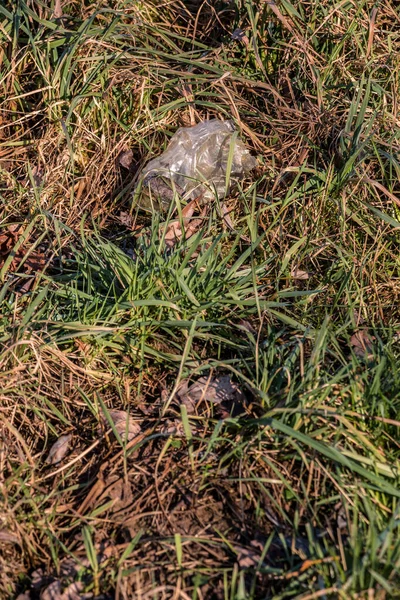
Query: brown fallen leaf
(8, 238)
(362, 343)
(72, 592)
(58, 12)
(37, 176)
(50, 586)
(247, 326)
(118, 490)
(31, 264)
(124, 424)
(299, 274)
(34, 263)
(177, 228)
(39, 579)
(59, 449)
(218, 390)
(125, 159)
(341, 516)
(249, 557)
(174, 428)
(52, 591)
(125, 219)
(238, 35)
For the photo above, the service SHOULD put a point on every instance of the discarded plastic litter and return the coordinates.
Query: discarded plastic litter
(195, 164)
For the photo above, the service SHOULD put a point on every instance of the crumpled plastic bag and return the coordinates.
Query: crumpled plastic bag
(195, 164)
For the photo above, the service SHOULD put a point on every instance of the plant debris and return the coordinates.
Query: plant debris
(59, 449)
(125, 159)
(299, 274)
(219, 390)
(17, 258)
(126, 427)
(186, 227)
(362, 343)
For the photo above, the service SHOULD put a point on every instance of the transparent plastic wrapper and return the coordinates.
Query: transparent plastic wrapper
(195, 165)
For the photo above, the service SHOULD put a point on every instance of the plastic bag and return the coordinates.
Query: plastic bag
(195, 164)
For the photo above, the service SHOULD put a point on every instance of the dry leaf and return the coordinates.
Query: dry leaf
(68, 569)
(173, 234)
(34, 263)
(39, 579)
(362, 343)
(219, 390)
(374, 12)
(58, 13)
(8, 238)
(52, 591)
(341, 516)
(59, 449)
(125, 159)
(175, 231)
(226, 216)
(247, 326)
(125, 219)
(249, 557)
(174, 428)
(299, 274)
(123, 424)
(238, 35)
(118, 490)
(38, 176)
(72, 592)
